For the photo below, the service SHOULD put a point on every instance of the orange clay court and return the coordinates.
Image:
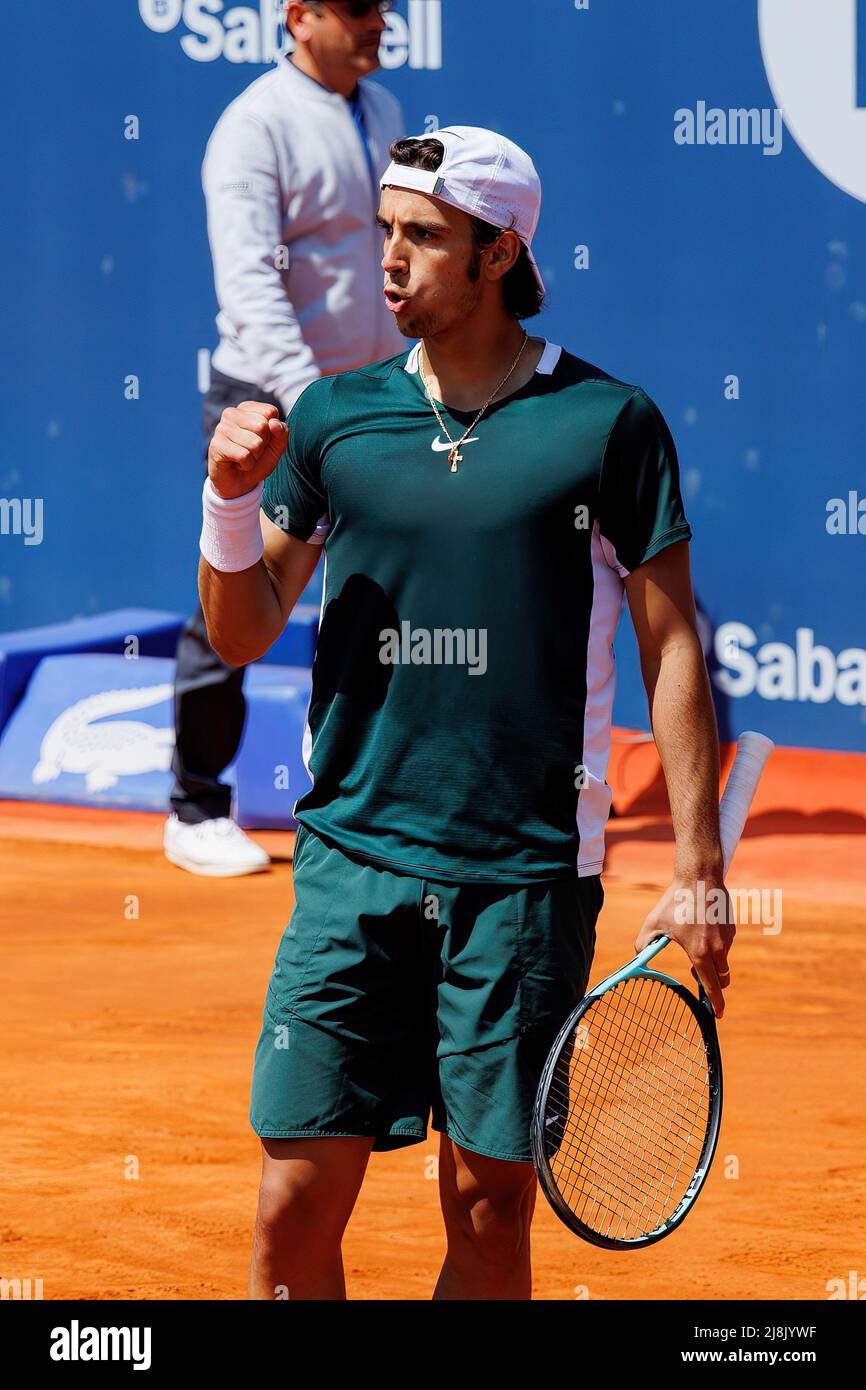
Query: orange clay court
(129, 1040)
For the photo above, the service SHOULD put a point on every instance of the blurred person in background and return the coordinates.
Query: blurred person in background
(291, 181)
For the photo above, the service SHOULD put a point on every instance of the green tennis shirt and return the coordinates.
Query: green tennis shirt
(459, 723)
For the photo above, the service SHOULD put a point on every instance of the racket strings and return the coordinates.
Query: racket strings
(626, 1209)
(627, 1056)
(648, 1158)
(628, 1109)
(646, 1154)
(619, 1129)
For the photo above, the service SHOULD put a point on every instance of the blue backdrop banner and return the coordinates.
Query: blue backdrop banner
(702, 235)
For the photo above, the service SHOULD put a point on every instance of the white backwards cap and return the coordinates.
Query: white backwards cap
(482, 174)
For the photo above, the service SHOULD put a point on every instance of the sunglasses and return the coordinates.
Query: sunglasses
(359, 9)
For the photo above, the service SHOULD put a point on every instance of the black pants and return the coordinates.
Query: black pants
(209, 705)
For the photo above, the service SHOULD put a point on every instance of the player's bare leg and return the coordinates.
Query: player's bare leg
(308, 1190)
(488, 1205)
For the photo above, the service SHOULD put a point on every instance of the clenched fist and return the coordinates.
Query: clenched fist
(247, 445)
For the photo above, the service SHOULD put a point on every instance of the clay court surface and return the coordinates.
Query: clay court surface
(131, 1038)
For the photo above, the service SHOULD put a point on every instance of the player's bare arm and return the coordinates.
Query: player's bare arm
(683, 720)
(246, 610)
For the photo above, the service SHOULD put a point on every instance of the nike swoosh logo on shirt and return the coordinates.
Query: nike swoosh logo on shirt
(439, 448)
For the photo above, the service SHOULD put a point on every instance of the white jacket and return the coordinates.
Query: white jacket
(285, 168)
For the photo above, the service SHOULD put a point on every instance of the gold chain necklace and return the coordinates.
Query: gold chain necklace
(455, 455)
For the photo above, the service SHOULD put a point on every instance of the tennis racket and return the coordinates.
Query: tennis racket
(629, 1105)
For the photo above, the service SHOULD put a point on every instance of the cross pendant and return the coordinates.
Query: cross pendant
(455, 457)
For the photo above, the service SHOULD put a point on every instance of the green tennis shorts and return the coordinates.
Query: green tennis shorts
(393, 996)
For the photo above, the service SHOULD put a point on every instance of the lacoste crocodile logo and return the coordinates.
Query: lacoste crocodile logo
(104, 753)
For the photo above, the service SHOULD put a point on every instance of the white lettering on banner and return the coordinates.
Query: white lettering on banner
(253, 34)
(814, 53)
(807, 672)
(161, 15)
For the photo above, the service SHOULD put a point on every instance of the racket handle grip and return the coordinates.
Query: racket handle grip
(753, 750)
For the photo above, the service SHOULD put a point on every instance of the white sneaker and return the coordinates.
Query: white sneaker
(213, 848)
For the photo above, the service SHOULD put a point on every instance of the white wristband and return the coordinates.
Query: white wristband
(231, 536)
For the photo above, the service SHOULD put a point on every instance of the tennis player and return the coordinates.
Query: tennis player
(484, 501)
